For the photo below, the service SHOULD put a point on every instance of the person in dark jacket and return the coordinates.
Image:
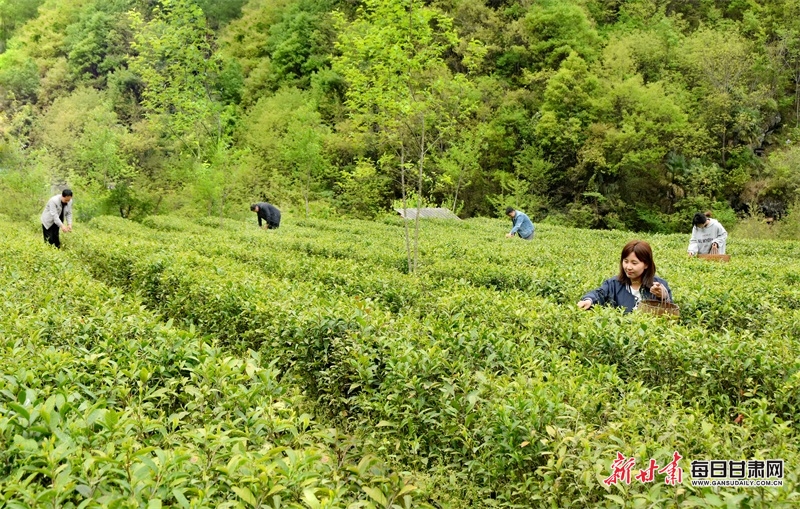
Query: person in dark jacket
(267, 212)
(635, 282)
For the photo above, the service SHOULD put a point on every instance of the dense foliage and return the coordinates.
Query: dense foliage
(103, 404)
(601, 113)
(477, 374)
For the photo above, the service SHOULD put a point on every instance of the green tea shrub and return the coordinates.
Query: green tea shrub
(498, 394)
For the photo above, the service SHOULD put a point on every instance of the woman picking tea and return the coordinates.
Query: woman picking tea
(635, 282)
(708, 236)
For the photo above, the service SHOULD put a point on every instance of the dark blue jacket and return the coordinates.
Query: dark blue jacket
(269, 213)
(614, 292)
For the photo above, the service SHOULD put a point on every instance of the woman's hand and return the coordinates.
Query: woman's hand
(659, 291)
(585, 304)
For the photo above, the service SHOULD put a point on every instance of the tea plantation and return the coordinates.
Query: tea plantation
(211, 364)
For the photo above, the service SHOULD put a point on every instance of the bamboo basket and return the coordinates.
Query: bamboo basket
(715, 257)
(659, 308)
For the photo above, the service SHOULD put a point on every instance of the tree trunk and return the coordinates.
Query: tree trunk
(405, 207)
(724, 135)
(307, 189)
(797, 100)
(419, 195)
(458, 186)
(222, 205)
(671, 191)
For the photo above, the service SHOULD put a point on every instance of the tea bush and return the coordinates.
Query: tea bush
(478, 373)
(723, 372)
(103, 404)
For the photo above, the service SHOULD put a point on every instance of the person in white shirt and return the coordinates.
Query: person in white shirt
(708, 236)
(57, 215)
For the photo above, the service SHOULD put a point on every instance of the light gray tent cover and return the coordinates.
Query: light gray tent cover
(428, 213)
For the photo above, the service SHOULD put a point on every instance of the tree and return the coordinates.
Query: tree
(788, 45)
(304, 149)
(98, 42)
(460, 163)
(299, 43)
(13, 13)
(730, 99)
(286, 133)
(42, 37)
(84, 133)
(174, 61)
(245, 40)
(557, 29)
(392, 58)
(637, 126)
(567, 111)
(19, 78)
(173, 58)
(362, 188)
(221, 12)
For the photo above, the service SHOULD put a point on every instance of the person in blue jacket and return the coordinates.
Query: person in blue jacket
(635, 282)
(521, 224)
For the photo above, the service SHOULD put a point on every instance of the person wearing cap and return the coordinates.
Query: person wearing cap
(521, 224)
(57, 216)
(268, 213)
(708, 236)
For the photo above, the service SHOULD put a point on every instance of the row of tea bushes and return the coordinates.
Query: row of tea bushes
(348, 276)
(471, 393)
(104, 405)
(720, 368)
(752, 293)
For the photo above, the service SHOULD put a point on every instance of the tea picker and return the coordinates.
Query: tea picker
(57, 215)
(268, 213)
(708, 236)
(521, 224)
(636, 282)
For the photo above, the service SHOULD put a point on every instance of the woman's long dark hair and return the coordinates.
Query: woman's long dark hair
(700, 219)
(645, 255)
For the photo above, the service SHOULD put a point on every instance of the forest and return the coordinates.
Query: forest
(607, 114)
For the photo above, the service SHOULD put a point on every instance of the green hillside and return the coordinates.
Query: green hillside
(610, 114)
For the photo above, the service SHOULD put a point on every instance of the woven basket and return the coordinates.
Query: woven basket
(657, 307)
(715, 257)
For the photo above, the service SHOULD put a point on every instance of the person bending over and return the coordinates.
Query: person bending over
(268, 213)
